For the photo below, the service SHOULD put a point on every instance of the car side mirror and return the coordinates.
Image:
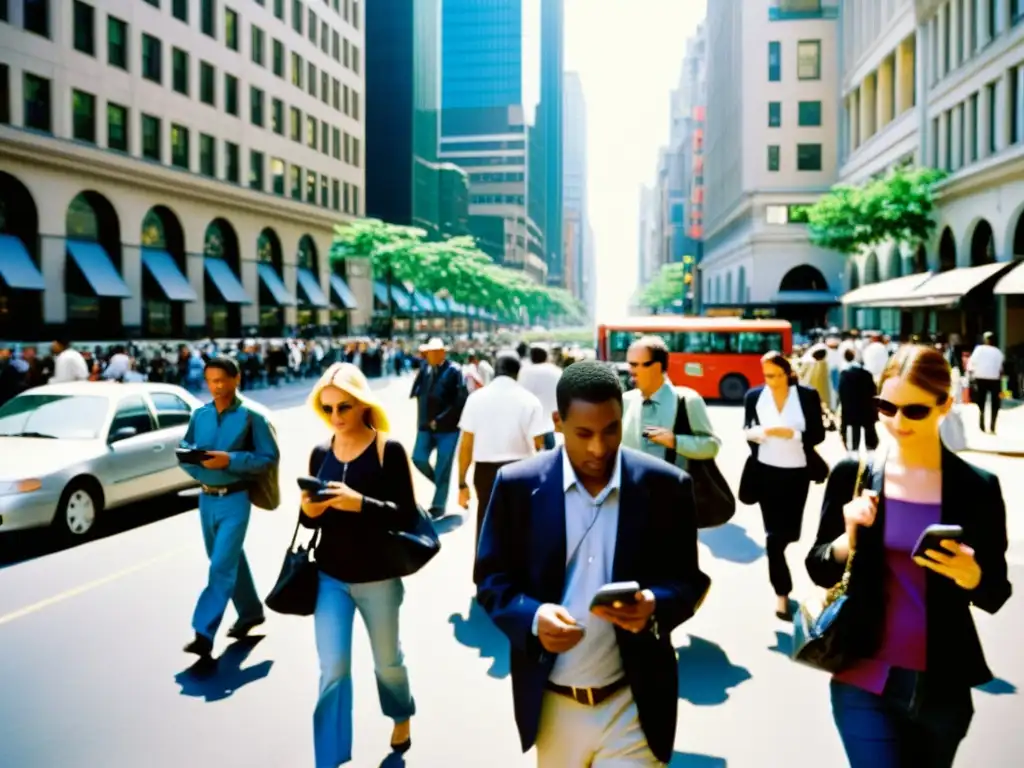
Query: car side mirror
(123, 433)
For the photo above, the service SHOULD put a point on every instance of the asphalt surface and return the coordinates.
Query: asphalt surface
(92, 675)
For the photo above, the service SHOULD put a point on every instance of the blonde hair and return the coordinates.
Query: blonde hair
(349, 379)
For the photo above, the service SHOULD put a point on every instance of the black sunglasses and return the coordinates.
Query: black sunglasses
(644, 364)
(913, 411)
(329, 409)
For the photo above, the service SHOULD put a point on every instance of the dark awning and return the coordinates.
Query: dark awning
(343, 293)
(227, 284)
(17, 268)
(402, 300)
(165, 271)
(311, 288)
(272, 280)
(98, 269)
(946, 289)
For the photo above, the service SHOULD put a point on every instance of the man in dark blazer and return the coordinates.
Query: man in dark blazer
(561, 525)
(857, 403)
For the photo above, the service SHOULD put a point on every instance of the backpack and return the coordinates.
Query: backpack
(265, 491)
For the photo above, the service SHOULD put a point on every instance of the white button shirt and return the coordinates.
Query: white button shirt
(503, 419)
(595, 661)
(542, 380)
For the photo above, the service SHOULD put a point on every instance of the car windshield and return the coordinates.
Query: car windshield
(66, 417)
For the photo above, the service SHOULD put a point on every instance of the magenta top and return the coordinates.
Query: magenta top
(904, 636)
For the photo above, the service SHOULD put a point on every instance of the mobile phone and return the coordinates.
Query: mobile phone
(933, 534)
(191, 455)
(315, 487)
(616, 595)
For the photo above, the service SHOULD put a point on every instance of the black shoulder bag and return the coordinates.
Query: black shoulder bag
(715, 503)
(297, 585)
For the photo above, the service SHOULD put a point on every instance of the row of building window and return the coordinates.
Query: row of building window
(331, 91)
(971, 131)
(498, 199)
(808, 60)
(333, 193)
(808, 114)
(961, 34)
(808, 157)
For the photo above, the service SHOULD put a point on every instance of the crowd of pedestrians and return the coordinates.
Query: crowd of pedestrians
(587, 552)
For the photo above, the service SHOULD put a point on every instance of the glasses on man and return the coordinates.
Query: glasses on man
(644, 364)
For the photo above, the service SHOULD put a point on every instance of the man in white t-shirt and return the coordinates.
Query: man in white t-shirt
(985, 367)
(500, 423)
(541, 378)
(68, 364)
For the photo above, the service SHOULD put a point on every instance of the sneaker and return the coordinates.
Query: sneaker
(201, 646)
(242, 628)
(437, 512)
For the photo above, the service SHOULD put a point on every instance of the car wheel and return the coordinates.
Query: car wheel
(78, 511)
(733, 388)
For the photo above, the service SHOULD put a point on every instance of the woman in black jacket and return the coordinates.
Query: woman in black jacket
(371, 495)
(783, 423)
(906, 701)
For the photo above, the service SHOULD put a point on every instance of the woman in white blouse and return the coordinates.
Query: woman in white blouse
(783, 424)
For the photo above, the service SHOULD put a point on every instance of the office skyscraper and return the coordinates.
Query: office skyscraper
(496, 126)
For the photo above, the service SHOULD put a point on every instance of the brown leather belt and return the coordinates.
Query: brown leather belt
(589, 697)
(224, 490)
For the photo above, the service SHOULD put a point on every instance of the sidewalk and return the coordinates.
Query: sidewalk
(1009, 437)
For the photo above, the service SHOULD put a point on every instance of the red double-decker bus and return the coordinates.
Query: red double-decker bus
(719, 357)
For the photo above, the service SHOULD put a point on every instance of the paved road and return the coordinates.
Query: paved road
(92, 675)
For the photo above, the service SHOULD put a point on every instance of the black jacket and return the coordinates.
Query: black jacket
(442, 399)
(971, 498)
(856, 395)
(521, 564)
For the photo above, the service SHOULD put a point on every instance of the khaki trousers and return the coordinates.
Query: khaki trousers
(573, 735)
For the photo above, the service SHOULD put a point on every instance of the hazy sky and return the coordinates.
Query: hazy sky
(629, 54)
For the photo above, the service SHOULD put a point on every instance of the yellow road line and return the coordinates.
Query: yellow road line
(75, 591)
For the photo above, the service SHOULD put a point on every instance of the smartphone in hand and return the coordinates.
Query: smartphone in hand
(191, 455)
(315, 487)
(933, 534)
(616, 594)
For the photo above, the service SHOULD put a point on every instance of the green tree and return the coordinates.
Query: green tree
(667, 287)
(898, 207)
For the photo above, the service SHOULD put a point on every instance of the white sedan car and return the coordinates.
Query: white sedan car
(69, 451)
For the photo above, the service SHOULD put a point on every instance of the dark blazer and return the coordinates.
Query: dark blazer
(442, 401)
(856, 395)
(971, 498)
(521, 564)
(810, 404)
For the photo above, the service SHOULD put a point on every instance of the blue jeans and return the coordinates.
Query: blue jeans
(378, 603)
(916, 723)
(225, 520)
(440, 474)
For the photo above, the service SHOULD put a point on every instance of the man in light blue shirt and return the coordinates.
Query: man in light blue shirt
(649, 411)
(241, 446)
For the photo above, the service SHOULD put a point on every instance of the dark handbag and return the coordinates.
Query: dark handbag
(821, 626)
(817, 467)
(295, 591)
(750, 482)
(715, 504)
(409, 550)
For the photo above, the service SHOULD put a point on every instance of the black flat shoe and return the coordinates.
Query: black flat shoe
(201, 646)
(242, 628)
(402, 747)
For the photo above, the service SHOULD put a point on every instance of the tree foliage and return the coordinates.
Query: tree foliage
(899, 207)
(455, 267)
(667, 288)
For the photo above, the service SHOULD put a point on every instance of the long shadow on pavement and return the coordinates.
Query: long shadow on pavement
(476, 630)
(705, 673)
(217, 679)
(691, 760)
(19, 546)
(783, 644)
(998, 687)
(732, 542)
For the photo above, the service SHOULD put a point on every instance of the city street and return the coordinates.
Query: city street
(93, 675)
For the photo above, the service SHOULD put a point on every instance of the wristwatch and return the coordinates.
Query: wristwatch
(463, 486)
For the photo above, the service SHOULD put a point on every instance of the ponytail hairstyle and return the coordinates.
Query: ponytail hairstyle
(780, 361)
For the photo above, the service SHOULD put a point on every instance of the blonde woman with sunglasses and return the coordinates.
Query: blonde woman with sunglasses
(370, 495)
